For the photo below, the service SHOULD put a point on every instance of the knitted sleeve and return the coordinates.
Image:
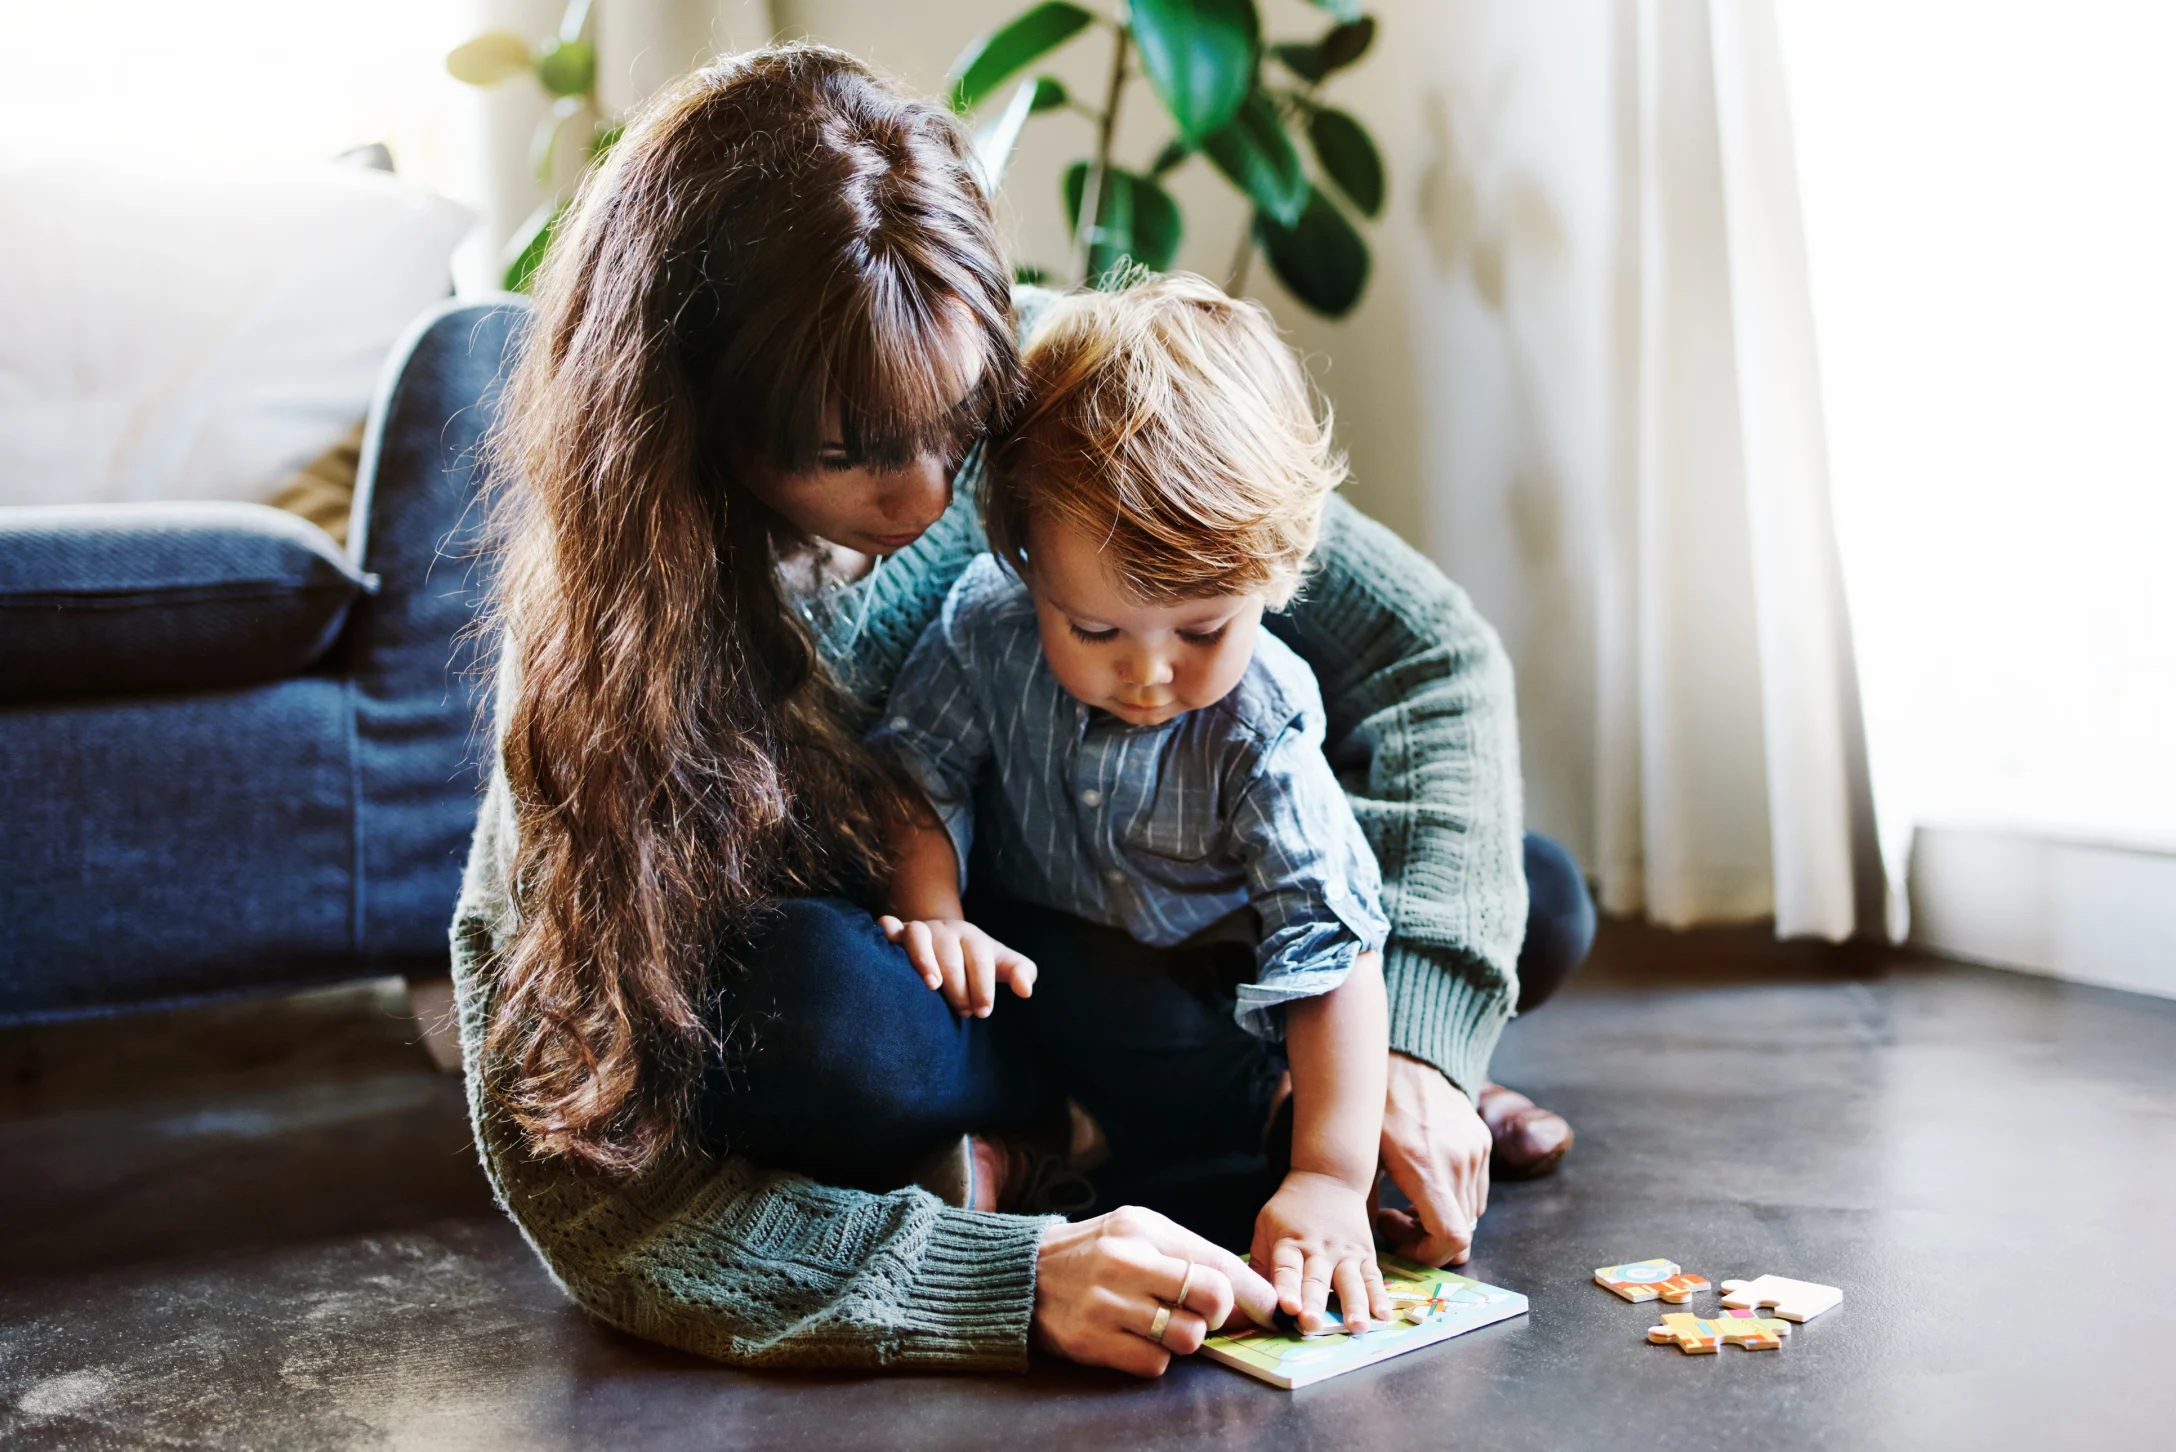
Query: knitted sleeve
(726, 1259)
(1423, 732)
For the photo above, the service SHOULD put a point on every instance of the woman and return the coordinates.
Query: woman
(774, 330)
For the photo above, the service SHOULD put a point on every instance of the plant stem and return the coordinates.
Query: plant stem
(1091, 193)
(1236, 274)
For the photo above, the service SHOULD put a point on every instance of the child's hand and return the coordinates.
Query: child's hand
(1314, 1237)
(962, 961)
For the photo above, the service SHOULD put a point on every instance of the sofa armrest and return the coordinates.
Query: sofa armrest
(412, 652)
(417, 521)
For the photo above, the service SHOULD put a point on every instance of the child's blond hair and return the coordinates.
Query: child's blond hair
(1169, 421)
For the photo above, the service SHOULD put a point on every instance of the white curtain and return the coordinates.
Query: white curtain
(1730, 775)
(1990, 193)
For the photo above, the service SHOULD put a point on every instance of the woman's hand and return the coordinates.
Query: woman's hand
(1436, 1149)
(1100, 1283)
(961, 961)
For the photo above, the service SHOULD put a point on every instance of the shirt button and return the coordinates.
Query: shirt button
(1090, 797)
(1114, 876)
(899, 723)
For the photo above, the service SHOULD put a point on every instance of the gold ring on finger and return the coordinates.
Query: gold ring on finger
(1156, 1327)
(1185, 1285)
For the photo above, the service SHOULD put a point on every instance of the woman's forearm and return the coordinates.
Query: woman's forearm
(1336, 1046)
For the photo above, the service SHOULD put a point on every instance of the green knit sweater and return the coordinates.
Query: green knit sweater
(728, 1259)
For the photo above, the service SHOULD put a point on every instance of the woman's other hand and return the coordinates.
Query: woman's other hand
(960, 961)
(1436, 1149)
(1100, 1283)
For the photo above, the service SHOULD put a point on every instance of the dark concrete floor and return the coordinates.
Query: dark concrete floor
(259, 1225)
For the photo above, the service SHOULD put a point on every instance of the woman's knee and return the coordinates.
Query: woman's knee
(822, 994)
(812, 957)
(824, 1025)
(1559, 921)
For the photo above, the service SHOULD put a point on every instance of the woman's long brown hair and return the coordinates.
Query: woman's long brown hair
(781, 233)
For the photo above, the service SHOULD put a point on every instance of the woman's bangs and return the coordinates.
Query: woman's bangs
(906, 385)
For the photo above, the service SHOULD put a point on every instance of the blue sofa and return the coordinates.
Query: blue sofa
(234, 757)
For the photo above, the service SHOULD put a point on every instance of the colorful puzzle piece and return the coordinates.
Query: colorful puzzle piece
(1794, 1300)
(1643, 1280)
(1697, 1334)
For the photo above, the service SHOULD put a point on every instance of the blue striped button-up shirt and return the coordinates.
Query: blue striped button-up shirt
(1164, 831)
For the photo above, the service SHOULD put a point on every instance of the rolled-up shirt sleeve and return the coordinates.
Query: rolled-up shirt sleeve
(1312, 878)
(931, 727)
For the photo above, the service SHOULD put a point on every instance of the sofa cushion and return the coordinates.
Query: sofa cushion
(109, 600)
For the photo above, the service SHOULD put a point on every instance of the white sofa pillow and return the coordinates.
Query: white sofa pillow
(171, 339)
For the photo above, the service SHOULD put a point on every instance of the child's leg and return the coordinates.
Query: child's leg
(1143, 1037)
(841, 1063)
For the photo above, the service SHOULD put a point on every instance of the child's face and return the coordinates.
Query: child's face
(1142, 663)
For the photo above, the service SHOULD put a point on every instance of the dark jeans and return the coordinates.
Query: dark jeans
(843, 1065)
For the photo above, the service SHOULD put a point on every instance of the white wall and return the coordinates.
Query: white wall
(227, 86)
(2093, 912)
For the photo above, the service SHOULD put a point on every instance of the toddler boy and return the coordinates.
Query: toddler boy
(1098, 705)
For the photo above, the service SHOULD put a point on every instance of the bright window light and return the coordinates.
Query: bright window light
(231, 85)
(1991, 215)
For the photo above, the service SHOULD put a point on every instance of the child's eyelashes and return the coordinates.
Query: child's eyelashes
(1109, 633)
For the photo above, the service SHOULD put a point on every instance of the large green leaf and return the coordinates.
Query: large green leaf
(1049, 94)
(567, 67)
(530, 243)
(1258, 156)
(1339, 47)
(1348, 157)
(1200, 57)
(990, 58)
(1134, 218)
(1321, 261)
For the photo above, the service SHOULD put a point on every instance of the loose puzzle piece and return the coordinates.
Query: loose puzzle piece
(1793, 1300)
(1643, 1280)
(1697, 1334)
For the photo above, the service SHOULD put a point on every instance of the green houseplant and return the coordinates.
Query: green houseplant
(1204, 61)
(565, 65)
